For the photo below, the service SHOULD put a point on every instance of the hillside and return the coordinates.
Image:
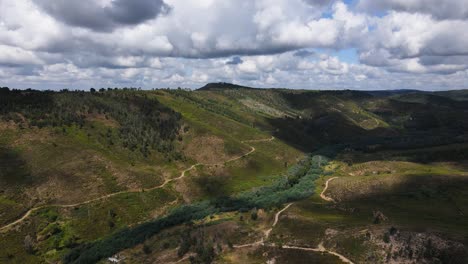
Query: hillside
(221, 85)
(233, 174)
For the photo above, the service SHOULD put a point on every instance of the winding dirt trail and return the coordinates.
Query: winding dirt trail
(319, 248)
(267, 233)
(323, 196)
(7, 227)
(259, 140)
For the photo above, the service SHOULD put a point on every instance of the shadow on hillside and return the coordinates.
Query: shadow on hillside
(456, 154)
(332, 134)
(420, 204)
(13, 169)
(415, 188)
(213, 187)
(310, 135)
(331, 118)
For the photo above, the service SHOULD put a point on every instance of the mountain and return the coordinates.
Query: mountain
(233, 174)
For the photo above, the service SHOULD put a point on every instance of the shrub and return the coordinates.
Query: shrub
(271, 196)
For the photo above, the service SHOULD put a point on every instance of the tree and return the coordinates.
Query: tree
(92, 90)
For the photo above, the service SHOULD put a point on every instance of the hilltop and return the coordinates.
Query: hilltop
(222, 85)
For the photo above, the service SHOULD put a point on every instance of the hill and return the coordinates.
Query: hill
(222, 85)
(233, 174)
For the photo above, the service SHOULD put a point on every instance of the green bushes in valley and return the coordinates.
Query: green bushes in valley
(298, 183)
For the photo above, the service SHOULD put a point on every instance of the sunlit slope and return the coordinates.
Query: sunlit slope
(79, 168)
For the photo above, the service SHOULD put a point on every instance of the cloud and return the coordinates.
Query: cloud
(103, 15)
(235, 60)
(304, 53)
(289, 43)
(319, 3)
(416, 43)
(446, 9)
(16, 57)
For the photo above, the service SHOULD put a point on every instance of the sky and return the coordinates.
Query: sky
(308, 44)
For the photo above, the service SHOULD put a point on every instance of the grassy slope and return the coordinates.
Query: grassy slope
(251, 171)
(114, 169)
(391, 187)
(55, 163)
(58, 169)
(416, 197)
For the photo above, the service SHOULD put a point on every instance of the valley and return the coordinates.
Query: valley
(230, 174)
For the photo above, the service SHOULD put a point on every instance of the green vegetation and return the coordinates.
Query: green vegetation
(400, 158)
(295, 185)
(143, 124)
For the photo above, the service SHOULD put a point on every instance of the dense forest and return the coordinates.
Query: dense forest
(143, 124)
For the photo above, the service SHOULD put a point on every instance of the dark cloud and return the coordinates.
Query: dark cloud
(89, 14)
(445, 60)
(235, 60)
(319, 2)
(29, 70)
(445, 9)
(131, 12)
(304, 53)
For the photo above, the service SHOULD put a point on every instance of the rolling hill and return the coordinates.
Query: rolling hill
(233, 174)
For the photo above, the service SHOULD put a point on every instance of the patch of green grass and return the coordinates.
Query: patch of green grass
(13, 250)
(7, 202)
(49, 214)
(210, 121)
(353, 247)
(262, 167)
(10, 209)
(59, 229)
(98, 219)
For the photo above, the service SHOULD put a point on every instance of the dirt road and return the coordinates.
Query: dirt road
(7, 227)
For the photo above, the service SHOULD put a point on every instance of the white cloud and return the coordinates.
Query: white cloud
(403, 41)
(248, 66)
(14, 56)
(256, 42)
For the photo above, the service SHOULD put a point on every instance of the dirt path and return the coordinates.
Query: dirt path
(323, 196)
(267, 233)
(320, 247)
(5, 228)
(259, 140)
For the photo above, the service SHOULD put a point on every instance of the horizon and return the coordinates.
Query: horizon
(358, 45)
(240, 86)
